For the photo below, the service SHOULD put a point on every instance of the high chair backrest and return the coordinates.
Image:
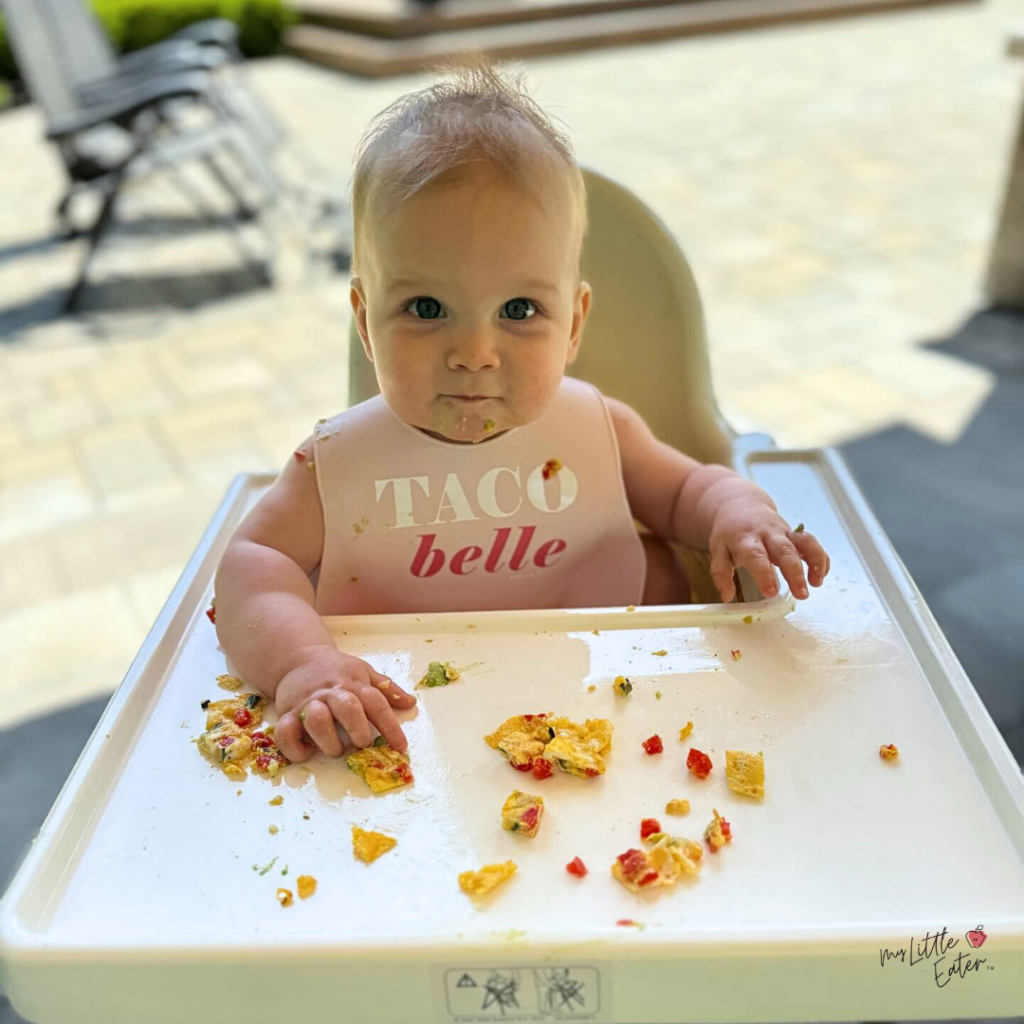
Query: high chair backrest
(644, 341)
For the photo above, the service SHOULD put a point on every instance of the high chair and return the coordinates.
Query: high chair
(644, 341)
(155, 890)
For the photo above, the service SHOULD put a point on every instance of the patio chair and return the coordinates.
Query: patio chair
(96, 71)
(126, 135)
(644, 341)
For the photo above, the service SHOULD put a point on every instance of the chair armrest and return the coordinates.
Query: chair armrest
(131, 102)
(171, 62)
(171, 54)
(212, 32)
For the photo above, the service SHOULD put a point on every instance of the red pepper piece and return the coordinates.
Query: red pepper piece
(648, 826)
(522, 767)
(530, 816)
(226, 741)
(633, 862)
(698, 763)
(263, 762)
(211, 614)
(626, 922)
(653, 745)
(542, 768)
(242, 718)
(576, 867)
(647, 879)
(590, 772)
(300, 456)
(262, 743)
(259, 734)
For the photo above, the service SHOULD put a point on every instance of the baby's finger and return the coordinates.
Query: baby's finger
(753, 557)
(396, 696)
(785, 555)
(813, 554)
(348, 710)
(288, 737)
(379, 712)
(318, 720)
(722, 570)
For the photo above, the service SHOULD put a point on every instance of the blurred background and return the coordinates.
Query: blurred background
(174, 290)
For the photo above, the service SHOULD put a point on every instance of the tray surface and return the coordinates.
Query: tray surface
(843, 843)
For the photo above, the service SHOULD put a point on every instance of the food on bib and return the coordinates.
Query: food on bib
(677, 807)
(211, 612)
(488, 878)
(576, 867)
(664, 864)
(718, 833)
(368, 846)
(551, 467)
(684, 733)
(653, 745)
(745, 773)
(736, 655)
(622, 686)
(536, 743)
(522, 813)
(439, 674)
(306, 884)
(381, 768)
(698, 763)
(888, 752)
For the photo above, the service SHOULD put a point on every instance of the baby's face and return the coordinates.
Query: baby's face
(468, 305)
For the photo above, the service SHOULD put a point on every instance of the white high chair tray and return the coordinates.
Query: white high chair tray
(139, 902)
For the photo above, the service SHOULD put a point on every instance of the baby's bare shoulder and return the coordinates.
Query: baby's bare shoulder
(288, 517)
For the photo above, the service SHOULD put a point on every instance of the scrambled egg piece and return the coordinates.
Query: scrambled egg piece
(439, 674)
(888, 752)
(489, 877)
(381, 768)
(668, 860)
(622, 686)
(254, 703)
(225, 741)
(576, 748)
(677, 807)
(745, 773)
(522, 812)
(306, 885)
(685, 731)
(368, 846)
(718, 833)
(284, 897)
(574, 755)
(534, 726)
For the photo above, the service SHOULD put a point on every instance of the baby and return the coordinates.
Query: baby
(481, 477)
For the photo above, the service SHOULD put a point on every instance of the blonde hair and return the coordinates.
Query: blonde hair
(475, 114)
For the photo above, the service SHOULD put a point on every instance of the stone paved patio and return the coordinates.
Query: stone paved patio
(835, 187)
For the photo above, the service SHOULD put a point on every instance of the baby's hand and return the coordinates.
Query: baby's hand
(748, 534)
(328, 689)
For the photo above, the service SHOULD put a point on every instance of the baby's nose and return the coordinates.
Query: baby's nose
(476, 352)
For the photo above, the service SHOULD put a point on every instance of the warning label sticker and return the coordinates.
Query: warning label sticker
(523, 995)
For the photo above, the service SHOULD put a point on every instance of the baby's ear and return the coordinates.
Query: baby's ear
(357, 297)
(580, 311)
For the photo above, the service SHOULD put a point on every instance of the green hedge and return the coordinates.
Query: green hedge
(132, 24)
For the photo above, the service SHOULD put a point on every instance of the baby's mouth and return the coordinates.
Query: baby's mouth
(470, 398)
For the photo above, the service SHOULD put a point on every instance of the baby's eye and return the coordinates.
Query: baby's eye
(427, 308)
(517, 309)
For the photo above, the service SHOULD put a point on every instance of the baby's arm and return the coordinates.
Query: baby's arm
(712, 508)
(268, 625)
